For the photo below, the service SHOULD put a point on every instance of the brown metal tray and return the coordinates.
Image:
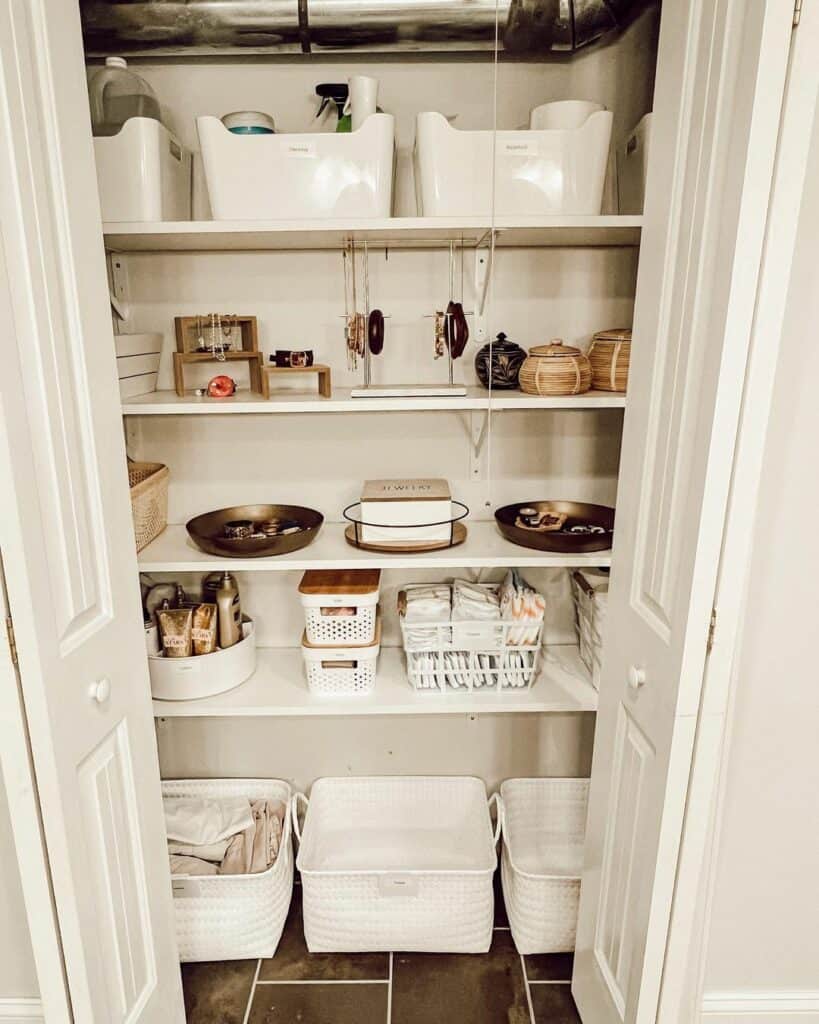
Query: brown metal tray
(206, 531)
(579, 514)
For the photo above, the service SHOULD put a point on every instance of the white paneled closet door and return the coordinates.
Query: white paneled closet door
(720, 84)
(67, 542)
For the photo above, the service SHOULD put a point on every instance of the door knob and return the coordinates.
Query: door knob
(636, 677)
(100, 691)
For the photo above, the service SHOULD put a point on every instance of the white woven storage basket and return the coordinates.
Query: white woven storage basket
(341, 671)
(233, 917)
(544, 826)
(397, 863)
(325, 627)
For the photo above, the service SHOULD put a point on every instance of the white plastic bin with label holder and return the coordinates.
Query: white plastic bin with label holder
(299, 176)
(556, 170)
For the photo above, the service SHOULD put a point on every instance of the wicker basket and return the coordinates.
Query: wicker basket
(609, 355)
(555, 369)
(233, 917)
(149, 500)
(544, 825)
(397, 863)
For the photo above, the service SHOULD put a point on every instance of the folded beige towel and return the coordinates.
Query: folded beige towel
(256, 848)
(211, 851)
(181, 865)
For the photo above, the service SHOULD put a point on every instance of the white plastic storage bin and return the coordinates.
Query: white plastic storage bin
(537, 172)
(327, 174)
(544, 827)
(205, 674)
(233, 917)
(340, 606)
(137, 363)
(143, 173)
(455, 656)
(397, 864)
(340, 671)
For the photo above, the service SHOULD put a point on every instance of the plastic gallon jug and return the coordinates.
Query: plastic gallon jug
(117, 94)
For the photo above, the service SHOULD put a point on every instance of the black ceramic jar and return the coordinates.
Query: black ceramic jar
(507, 358)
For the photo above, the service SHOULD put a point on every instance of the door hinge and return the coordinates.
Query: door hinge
(12, 641)
(797, 12)
(712, 628)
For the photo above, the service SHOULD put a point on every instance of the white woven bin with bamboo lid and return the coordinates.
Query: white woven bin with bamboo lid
(609, 356)
(555, 369)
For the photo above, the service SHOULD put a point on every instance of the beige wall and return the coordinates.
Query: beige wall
(764, 934)
(17, 975)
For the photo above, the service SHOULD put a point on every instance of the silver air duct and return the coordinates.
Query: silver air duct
(526, 27)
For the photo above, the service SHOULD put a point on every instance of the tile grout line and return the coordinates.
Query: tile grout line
(548, 981)
(528, 990)
(389, 994)
(249, 1006)
(323, 981)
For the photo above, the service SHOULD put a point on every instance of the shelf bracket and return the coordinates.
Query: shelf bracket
(478, 425)
(483, 274)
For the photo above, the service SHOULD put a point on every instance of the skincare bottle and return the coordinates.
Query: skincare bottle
(229, 612)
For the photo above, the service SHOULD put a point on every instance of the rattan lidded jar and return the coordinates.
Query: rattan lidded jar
(609, 355)
(555, 369)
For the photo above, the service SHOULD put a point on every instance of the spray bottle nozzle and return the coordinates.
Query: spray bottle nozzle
(332, 92)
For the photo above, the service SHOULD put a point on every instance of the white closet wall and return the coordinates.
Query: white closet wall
(18, 978)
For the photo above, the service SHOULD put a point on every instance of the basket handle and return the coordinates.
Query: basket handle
(496, 800)
(294, 812)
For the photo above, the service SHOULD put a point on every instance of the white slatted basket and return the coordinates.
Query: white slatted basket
(341, 671)
(397, 863)
(233, 917)
(544, 827)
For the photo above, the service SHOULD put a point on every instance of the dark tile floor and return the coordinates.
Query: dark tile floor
(382, 988)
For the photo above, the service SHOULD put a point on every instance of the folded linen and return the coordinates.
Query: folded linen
(181, 865)
(210, 851)
(201, 822)
(257, 847)
(427, 604)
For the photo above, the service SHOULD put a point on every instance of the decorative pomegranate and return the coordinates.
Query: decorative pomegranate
(221, 386)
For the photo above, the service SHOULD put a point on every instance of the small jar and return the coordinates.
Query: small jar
(506, 358)
(555, 369)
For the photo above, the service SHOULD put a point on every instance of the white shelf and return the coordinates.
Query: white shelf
(392, 232)
(484, 548)
(168, 403)
(278, 689)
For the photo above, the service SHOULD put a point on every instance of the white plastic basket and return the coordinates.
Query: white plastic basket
(324, 626)
(544, 827)
(397, 863)
(338, 671)
(233, 917)
(480, 654)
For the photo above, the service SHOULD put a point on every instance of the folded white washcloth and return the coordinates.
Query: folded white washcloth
(202, 822)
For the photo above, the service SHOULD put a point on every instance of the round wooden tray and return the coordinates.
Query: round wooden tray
(407, 547)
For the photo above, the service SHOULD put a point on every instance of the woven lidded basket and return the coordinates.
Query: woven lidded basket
(149, 500)
(555, 369)
(609, 355)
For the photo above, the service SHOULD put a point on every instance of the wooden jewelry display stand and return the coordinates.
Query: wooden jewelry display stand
(189, 329)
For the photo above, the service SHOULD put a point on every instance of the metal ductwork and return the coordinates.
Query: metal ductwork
(534, 28)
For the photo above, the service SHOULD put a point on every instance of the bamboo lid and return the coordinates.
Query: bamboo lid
(554, 350)
(340, 581)
(618, 334)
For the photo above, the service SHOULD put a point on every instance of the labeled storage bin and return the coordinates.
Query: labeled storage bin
(397, 863)
(143, 173)
(544, 828)
(137, 363)
(233, 917)
(148, 482)
(340, 671)
(590, 590)
(205, 674)
(340, 606)
(537, 172)
(463, 655)
(299, 176)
